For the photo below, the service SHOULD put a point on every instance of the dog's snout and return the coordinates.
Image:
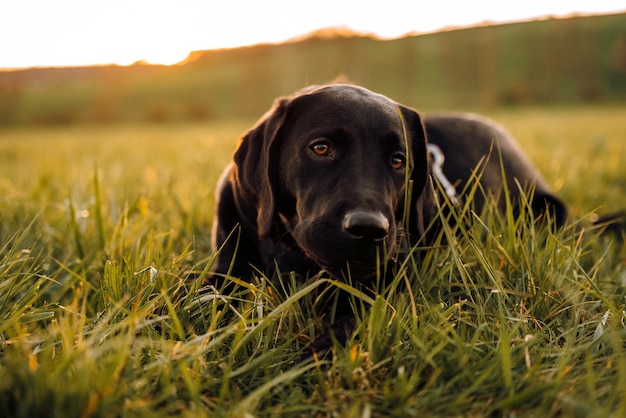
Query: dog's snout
(366, 224)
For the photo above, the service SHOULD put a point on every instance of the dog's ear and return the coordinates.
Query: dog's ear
(422, 197)
(255, 168)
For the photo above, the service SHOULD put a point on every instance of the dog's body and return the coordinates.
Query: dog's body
(321, 182)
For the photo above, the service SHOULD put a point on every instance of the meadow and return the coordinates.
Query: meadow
(105, 238)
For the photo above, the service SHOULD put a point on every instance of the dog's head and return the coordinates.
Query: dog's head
(331, 166)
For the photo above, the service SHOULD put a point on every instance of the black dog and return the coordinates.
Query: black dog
(321, 181)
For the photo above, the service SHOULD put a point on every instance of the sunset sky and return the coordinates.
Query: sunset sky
(86, 32)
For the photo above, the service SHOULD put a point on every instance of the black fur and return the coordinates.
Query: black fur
(319, 182)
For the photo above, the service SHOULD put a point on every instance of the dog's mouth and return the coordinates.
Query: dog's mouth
(354, 255)
(357, 271)
(360, 263)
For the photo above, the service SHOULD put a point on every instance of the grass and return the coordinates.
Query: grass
(104, 238)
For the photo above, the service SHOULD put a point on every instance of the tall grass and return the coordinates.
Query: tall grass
(104, 241)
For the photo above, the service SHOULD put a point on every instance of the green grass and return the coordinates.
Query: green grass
(104, 237)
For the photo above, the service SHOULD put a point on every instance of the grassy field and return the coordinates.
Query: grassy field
(557, 61)
(104, 238)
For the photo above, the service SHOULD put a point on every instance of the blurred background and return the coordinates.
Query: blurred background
(547, 60)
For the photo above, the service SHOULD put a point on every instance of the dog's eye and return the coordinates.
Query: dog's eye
(321, 148)
(398, 161)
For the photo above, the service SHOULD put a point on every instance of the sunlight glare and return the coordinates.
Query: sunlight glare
(165, 56)
(77, 32)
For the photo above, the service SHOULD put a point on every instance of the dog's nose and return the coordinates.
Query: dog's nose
(366, 224)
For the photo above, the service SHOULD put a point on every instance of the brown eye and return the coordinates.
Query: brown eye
(321, 148)
(398, 161)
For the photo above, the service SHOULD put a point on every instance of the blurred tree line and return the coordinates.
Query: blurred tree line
(546, 62)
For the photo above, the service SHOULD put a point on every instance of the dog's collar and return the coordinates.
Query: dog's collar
(437, 170)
